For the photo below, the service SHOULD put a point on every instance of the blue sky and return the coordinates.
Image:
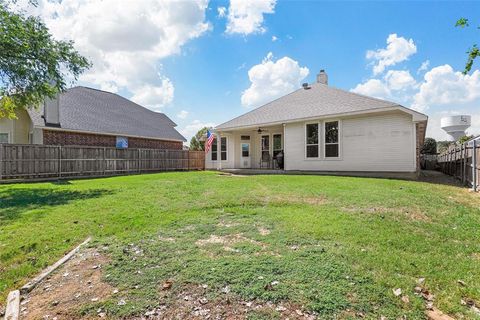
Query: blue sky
(200, 76)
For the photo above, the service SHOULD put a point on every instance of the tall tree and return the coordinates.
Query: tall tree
(473, 52)
(197, 143)
(33, 65)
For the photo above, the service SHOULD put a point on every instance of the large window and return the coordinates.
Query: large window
(223, 148)
(277, 144)
(3, 137)
(214, 150)
(331, 139)
(311, 140)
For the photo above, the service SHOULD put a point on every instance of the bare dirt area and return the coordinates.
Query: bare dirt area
(192, 302)
(76, 283)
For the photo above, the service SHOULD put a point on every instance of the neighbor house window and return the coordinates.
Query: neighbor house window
(214, 149)
(331, 139)
(277, 144)
(311, 140)
(3, 137)
(223, 148)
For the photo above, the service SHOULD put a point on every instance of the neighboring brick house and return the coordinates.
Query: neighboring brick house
(91, 117)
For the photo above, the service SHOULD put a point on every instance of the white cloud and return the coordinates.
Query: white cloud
(442, 86)
(272, 79)
(183, 114)
(155, 97)
(399, 79)
(373, 88)
(274, 38)
(424, 66)
(396, 85)
(222, 12)
(192, 128)
(398, 49)
(246, 16)
(126, 42)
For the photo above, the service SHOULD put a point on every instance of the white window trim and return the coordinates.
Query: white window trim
(226, 149)
(319, 123)
(8, 136)
(219, 150)
(321, 141)
(339, 140)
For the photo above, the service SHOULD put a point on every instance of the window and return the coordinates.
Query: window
(245, 150)
(214, 149)
(265, 147)
(3, 137)
(244, 137)
(311, 138)
(223, 148)
(331, 139)
(277, 144)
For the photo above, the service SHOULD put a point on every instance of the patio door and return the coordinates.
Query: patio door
(245, 155)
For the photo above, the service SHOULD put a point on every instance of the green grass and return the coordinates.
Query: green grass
(334, 243)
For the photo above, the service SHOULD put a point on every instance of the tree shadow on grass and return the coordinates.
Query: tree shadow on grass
(13, 202)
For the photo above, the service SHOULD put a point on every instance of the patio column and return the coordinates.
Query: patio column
(219, 151)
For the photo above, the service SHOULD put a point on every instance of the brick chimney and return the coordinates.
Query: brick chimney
(322, 77)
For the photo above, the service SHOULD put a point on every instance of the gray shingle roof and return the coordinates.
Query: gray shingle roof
(92, 110)
(318, 101)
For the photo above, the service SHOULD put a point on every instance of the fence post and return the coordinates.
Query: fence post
(138, 161)
(104, 162)
(1, 161)
(474, 165)
(59, 161)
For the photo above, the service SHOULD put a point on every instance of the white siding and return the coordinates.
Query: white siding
(370, 143)
(17, 129)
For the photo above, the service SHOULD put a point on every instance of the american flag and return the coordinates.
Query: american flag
(208, 143)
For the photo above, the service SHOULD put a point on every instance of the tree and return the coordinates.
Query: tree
(443, 146)
(33, 65)
(429, 146)
(465, 138)
(473, 52)
(197, 143)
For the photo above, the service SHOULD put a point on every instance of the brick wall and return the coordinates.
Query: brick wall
(65, 138)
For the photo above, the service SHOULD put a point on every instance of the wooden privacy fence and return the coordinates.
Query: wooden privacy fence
(24, 162)
(462, 162)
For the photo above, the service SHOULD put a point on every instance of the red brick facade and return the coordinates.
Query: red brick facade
(65, 138)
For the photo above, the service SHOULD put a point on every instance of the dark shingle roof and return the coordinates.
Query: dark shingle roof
(318, 101)
(92, 110)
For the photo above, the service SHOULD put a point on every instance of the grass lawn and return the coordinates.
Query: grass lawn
(336, 246)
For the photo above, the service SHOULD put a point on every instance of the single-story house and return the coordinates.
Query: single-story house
(322, 128)
(90, 117)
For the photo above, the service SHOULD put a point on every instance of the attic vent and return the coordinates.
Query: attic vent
(305, 86)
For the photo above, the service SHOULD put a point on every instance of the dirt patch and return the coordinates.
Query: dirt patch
(263, 231)
(414, 214)
(292, 199)
(193, 302)
(77, 283)
(228, 240)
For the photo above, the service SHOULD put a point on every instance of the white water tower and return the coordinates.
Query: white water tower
(455, 126)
